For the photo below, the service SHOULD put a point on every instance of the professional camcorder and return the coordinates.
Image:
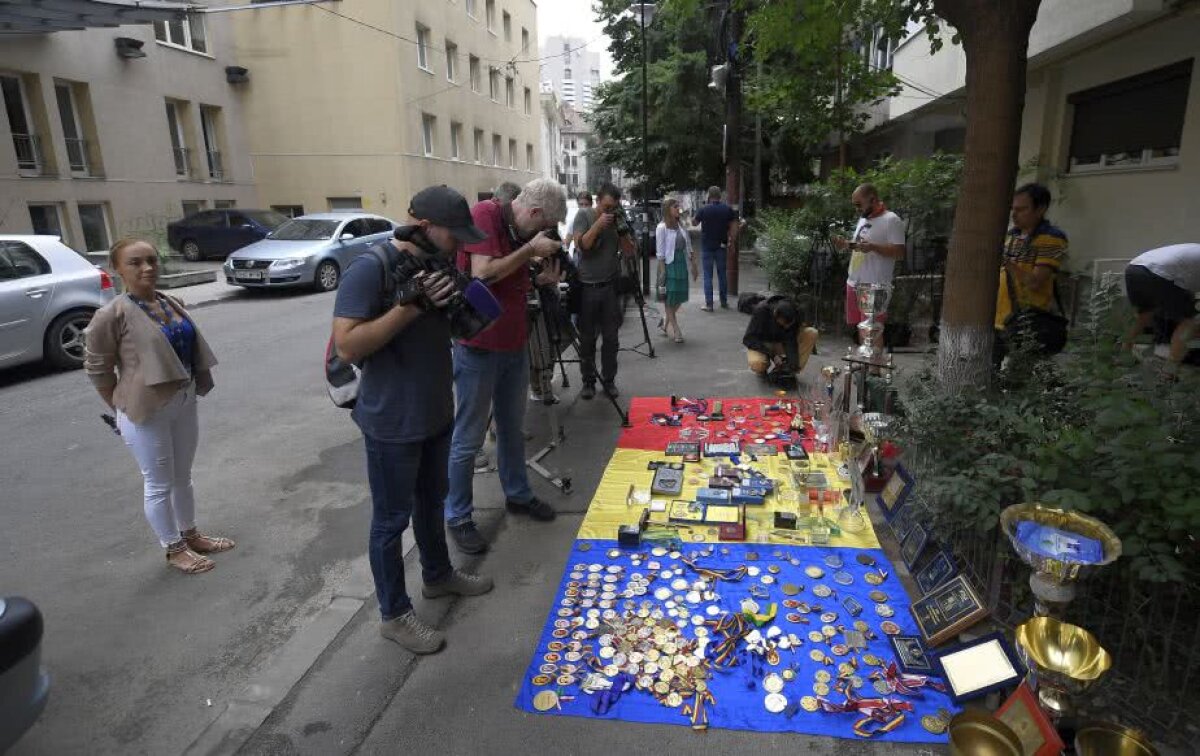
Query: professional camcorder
(471, 308)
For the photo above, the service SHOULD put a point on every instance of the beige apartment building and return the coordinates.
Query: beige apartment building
(341, 114)
(114, 131)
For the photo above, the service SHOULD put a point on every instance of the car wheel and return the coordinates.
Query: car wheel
(65, 339)
(191, 251)
(327, 276)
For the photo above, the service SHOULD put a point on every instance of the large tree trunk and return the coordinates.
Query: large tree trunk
(995, 36)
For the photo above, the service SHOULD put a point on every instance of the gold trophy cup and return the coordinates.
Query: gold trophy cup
(1065, 662)
(976, 733)
(1107, 739)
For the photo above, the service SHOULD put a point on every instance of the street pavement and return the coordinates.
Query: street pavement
(277, 650)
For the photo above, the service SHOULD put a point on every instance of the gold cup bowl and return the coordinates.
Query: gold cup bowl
(976, 733)
(1107, 739)
(1067, 661)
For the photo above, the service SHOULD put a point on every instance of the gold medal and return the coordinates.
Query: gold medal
(933, 724)
(541, 680)
(872, 660)
(821, 689)
(545, 701)
(790, 589)
(817, 655)
(823, 676)
(809, 703)
(816, 637)
(874, 578)
(879, 597)
(814, 572)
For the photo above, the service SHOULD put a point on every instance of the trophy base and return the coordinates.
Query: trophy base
(1050, 597)
(1056, 703)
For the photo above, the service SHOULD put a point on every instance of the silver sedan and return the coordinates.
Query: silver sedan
(311, 250)
(48, 293)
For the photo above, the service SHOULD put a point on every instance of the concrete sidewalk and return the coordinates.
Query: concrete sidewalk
(361, 694)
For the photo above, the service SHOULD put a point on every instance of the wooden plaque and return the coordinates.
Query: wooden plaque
(948, 610)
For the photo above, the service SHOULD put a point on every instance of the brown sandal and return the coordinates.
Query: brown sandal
(205, 544)
(192, 564)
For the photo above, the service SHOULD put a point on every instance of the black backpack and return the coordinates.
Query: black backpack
(341, 377)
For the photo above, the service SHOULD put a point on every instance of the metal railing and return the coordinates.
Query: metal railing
(182, 165)
(215, 170)
(77, 155)
(29, 152)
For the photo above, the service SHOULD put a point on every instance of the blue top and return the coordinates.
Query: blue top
(405, 393)
(179, 331)
(714, 219)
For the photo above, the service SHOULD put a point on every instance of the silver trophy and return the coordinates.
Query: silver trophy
(872, 301)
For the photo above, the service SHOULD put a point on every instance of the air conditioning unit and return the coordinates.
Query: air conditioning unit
(236, 75)
(128, 47)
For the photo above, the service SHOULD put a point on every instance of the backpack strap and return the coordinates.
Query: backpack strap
(384, 256)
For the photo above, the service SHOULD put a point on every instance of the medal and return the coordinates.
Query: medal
(882, 687)
(541, 680)
(821, 689)
(823, 676)
(775, 703)
(933, 724)
(545, 701)
(772, 683)
(829, 617)
(814, 572)
(816, 637)
(890, 628)
(834, 561)
(841, 577)
(879, 597)
(883, 610)
(866, 560)
(820, 590)
(809, 703)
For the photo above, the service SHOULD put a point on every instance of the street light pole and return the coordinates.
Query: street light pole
(645, 168)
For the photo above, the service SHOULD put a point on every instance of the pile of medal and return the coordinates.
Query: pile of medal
(657, 627)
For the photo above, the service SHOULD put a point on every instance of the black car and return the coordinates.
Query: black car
(216, 233)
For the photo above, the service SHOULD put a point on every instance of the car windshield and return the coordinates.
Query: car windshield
(305, 229)
(268, 218)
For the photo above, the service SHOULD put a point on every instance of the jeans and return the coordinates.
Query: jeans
(599, 314)
(486, 380)
(408, 482)
(714, 258)
(164, 447)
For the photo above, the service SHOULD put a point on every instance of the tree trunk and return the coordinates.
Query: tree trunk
(995, 36)
(733, 141)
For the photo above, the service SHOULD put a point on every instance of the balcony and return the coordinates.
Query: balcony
(215, 170)
(30, 160)
(182, 164)
(77, 155)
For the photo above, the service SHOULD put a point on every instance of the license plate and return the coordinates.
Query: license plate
(248, 275)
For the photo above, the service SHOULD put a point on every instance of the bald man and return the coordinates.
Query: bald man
(877, 244)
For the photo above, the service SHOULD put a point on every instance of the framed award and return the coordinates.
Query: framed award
(1030, 724)
(978, 667)
(913, 545)
(936, 571)
(895, 493)
(947, 610)
(910, 654)
(901, 524)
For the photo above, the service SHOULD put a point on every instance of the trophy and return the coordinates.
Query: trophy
(1065, 661)
(973, 732)
(1053, 578)
(872, 301)
(1105, 738)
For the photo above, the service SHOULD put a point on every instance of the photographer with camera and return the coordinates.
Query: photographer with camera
(602, 235)
(491, 371)
(400, 335)
(777, 344)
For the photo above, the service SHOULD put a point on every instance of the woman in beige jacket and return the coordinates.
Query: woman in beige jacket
(149, 361)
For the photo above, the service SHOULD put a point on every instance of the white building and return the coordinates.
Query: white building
(1111, 121)
(551, 147)
(571, 70)
(576, 137)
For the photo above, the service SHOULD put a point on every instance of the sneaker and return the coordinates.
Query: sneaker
(724, 305)
(588, 392)
(458, 584)
(409, 632)
(706, 308)
(482, 463)
(610, 388)
(535, 508)
(467, 537)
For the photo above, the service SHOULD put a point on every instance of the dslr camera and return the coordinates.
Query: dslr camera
(621, 221)
(472, 306)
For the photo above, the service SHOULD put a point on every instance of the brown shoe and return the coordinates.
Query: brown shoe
(187, 561)
(205, 544)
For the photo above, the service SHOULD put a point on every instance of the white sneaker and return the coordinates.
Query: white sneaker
(1162, 351)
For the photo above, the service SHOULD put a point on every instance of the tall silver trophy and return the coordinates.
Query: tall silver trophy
(872, 301)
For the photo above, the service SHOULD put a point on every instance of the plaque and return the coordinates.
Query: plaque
(936, 571)
(895, 493)
(720, 514)
(1029, 723)
(690, 512)
(903, 522)
(976, 668)
(682, 449)
(910, 654)
(947, 610)
(761, 450)
(913, 545)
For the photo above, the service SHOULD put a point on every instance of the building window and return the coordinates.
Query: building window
(567, 73)
(471, 9)
(528, 101)
(68, 114)
(496, 149)
(93, 219)
(476, 77)
(20, 121)
(191, 207)
(210, 122)
(1132, 122)
(224, 205)
(494, 84)
(510, 97)
(423, 47)
(524, 40)
(479, 146)
(451, 61)
(189, 33)
(179, 149)
(455, 141)
(345, 203)
(428, 124)
(490, 10)
(47, 220)
(512, 153)
(507, 27)
(291, 211)
(528, 157)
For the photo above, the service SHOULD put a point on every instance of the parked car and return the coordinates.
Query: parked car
(48, 293)
(24, 684)
(311, 250)
(216, 233)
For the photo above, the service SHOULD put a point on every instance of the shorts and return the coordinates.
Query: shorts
(854, 315)
(1150, 292)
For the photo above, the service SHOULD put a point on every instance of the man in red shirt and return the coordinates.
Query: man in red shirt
(491, 371)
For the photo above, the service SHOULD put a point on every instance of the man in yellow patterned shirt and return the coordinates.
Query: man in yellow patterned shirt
(1034, 252)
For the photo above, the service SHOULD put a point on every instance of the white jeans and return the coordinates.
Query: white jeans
(164, 447)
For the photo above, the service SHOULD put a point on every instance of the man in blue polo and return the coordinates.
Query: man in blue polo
(718, 229)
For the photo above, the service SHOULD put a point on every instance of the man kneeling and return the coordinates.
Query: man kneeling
(777, 345)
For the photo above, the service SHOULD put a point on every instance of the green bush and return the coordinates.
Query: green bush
(1092, 430)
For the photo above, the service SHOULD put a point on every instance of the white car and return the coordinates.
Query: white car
(48, 293)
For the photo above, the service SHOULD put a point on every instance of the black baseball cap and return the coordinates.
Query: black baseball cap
(442, 206)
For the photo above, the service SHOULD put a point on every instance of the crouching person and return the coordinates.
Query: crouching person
(405, 406)
(777, 344)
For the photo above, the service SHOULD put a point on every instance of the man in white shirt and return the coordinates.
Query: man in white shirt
(877, 244)
(1165, 280)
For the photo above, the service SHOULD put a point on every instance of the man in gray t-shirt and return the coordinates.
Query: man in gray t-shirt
(600, 243)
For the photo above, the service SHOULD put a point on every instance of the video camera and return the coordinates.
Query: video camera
(472, 306)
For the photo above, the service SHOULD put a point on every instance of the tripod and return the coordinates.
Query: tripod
(631, 275)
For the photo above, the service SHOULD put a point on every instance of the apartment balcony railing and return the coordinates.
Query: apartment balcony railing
(29, 152)
(77, 155)
(215, 170)
(181, 161)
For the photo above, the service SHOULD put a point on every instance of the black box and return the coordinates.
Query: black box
(629, 536)
(786, 520)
